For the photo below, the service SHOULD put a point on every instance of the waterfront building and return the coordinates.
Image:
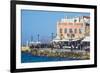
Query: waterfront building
(73, 28)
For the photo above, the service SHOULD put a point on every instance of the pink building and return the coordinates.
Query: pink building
(73, 28)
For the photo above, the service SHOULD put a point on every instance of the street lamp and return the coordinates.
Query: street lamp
(31, 38)
(52, 39)
(38, 37)
(52, 35)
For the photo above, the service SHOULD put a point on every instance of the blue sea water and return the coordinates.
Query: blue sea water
(28, 58)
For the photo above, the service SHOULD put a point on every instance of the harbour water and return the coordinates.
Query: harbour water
(28, 58)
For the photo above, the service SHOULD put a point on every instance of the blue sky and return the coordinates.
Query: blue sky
(42, 22)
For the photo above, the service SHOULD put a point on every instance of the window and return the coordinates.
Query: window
(65, 30)
(80, 31)
(73, 35)
(68, 35)
(75, 30)
(70, 31)
(60, 30)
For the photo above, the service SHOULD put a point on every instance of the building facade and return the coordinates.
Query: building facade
(73, 28)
